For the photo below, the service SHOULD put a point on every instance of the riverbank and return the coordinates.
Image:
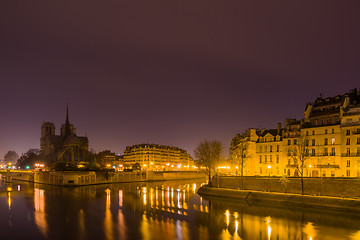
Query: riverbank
(86, 178)
(321, 202)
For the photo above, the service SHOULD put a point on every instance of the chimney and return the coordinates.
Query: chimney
(279, 128)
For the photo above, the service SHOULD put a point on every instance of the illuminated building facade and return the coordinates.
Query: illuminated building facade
(64, 147)
(158, 157)
(330, 131)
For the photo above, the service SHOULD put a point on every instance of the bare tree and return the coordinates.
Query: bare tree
(208, 155)
(11, 157)
(299, 152)
(240, 154)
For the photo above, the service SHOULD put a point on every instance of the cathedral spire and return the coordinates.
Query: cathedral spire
(67, 123)
(67, 114)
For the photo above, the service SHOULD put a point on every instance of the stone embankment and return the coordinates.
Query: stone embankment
(330, 186)
(322, 202)
(84, 178)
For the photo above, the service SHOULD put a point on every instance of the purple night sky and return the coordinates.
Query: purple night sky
(169, 72)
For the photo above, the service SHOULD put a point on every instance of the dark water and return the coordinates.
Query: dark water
(160, 210)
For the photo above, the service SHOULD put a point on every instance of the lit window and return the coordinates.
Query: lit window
(332, 141)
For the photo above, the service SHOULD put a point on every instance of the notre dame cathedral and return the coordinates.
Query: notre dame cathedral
(64, 147)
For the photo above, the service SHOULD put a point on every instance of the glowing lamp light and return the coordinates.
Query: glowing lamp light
(121, 165)
(269, 166)
(168, 164)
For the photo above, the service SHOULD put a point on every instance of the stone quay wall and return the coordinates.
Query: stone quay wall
(334, 187)
(84, 178)
(289, 199)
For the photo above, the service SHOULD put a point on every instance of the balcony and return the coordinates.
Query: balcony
(347, 124)
(350, 154)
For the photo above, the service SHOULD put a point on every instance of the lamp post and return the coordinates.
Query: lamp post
(310, 170)
(269, 168)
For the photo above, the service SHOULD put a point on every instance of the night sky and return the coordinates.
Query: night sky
(169, 72)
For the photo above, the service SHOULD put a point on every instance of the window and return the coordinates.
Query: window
(289, 161)
(348, 151)
(348, 173)
(325, 131)
(332, 130)
(278, 147)
(265, 149)
(348, 132)
(270, 148)
(284, 171)
(358, 141)
(312, 152)
(332, 151)
(326, 141)
(358, 151)
(265, 158)
(333, 173)
(260, 170)
(307, 133)
(348, 141)
(332, 141)
(295, 141)
(313, 132)
(277, 157)
(325, 151)
(307, 152)
(289, 142)
(260, 158)
(260, 150)
(306, 142)
(313, 142)
(271, 158)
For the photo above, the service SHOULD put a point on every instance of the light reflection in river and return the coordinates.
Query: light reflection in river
(40, 215)
(171, 210)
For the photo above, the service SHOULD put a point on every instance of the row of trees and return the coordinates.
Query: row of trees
(209, 153)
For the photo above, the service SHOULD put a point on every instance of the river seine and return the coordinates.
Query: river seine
(157, 210)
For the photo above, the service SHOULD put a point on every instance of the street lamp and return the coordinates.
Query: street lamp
(269, 167)
(310, 170)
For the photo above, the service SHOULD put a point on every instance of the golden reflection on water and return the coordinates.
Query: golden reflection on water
(40, 215)
(167, 212)
(82, 228)
(310, 231)
(108, 222)
(9, 200)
